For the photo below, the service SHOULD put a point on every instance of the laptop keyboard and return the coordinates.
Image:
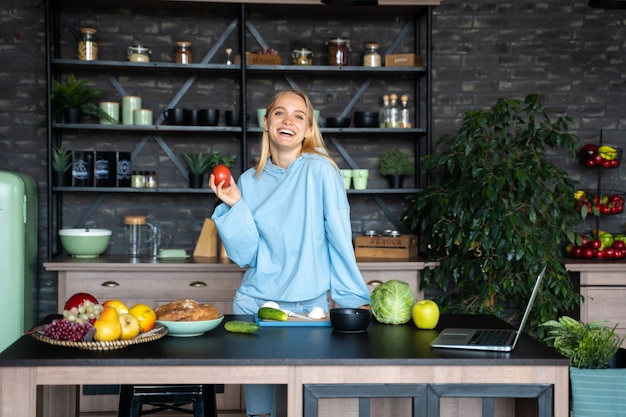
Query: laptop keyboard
(490, 337)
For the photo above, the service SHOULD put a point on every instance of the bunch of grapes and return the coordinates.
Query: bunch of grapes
(85, 313)
(68, 330)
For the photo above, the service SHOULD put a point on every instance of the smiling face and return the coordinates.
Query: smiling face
(287, 124)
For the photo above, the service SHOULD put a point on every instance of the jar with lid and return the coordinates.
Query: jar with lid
(138, 53)
(135, 233)
(371, 55)
(87, 46)
(183, 53)
(302, 57)
(151, 179)
(138, 180)
(338, 52)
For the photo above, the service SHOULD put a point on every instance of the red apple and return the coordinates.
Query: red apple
(78, 299)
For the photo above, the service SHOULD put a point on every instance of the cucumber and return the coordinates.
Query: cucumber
(237, 326)
(269, 313)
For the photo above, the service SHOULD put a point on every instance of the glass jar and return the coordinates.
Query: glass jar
(183, 53)
(151, 179)
(302, 57)
(138, 180)
(371, 56)
(339, 52)
(87, 46)
(138, 53)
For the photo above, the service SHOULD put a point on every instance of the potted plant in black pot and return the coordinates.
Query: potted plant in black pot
(200, 162)
(595, 355)
(61, 166)
(73, 98)
(496, 211)
(395, 164)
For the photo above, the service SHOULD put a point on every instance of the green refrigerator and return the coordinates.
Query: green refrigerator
(18, 254)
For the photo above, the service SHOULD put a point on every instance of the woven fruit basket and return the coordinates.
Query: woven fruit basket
(156, 333)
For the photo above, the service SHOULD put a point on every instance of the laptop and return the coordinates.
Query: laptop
(498, 340)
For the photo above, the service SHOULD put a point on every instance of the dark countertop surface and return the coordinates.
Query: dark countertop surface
(380, 345)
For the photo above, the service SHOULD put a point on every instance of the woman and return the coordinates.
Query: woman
(288, 221)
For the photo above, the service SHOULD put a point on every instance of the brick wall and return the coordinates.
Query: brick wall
(569, 53)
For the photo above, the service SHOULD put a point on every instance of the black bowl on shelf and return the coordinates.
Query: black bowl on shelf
(337, 121)
(350, 320)
(366, 119)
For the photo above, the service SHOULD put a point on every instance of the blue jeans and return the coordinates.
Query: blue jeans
(261, 398)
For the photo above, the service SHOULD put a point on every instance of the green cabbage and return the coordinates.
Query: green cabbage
(392, 302)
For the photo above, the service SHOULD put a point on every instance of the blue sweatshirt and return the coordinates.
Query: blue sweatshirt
(291, 229)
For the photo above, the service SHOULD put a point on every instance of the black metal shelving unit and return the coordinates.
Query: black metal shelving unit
(242, 26)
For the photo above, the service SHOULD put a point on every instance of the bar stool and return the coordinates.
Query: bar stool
(167, 397)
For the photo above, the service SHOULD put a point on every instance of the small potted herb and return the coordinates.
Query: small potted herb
(395, 164)
(590, 348)
(61, 164)
(200, 162)
(73, 98)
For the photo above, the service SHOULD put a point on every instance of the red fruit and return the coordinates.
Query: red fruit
(78, 299)
(595, 244)
(618, 244)
(577, 252)
(599, 254)
(222, 173)
(619, 253)
(588, 253)
(589, 151)
(609, 253)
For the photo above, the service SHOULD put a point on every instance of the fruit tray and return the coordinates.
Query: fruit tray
(598, 245)
(603, 156)
(609, 202)
(156, 333)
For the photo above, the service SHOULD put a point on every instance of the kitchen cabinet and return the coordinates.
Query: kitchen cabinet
(603, 288)
(210, 83)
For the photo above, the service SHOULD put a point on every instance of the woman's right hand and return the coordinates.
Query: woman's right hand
(229, 195)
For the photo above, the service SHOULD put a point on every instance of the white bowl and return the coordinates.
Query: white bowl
(85, 243)
(190, 328)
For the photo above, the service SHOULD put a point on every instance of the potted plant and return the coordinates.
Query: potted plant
(200, 162)
(61, 164)
(73, 98)
(496, 211)
(395, 164)
(591, 348)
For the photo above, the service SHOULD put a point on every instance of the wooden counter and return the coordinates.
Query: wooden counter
(603, 288)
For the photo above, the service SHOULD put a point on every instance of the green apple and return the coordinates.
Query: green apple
(607, 240)
(425, 314)
(620, 237)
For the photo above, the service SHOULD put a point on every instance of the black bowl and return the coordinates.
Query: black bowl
(350, 320)
(337, 121)
(366, 119)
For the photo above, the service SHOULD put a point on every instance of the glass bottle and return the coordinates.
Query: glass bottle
(151, 179)
(371, 56)
(394, 112)
(383, 114)
(339, 52)
(228, 56)
(87, 46)
(183, 53)
(405, 113)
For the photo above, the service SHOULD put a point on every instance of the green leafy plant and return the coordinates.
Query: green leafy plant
(497, 211)
(61, 159)
(396, 162)
(76, 94)
(200, 162)
(587, 345)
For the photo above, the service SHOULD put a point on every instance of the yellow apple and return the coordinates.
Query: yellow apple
(108, 327)
(130, 326)
(425, 314)
(144, 315)
(119, 306)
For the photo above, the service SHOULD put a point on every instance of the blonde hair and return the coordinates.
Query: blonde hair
(313, 144)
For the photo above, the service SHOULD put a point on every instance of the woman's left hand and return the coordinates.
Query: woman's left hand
(229, 195)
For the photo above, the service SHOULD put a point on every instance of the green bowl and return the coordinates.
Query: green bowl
(190, 328)
(85, 243)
